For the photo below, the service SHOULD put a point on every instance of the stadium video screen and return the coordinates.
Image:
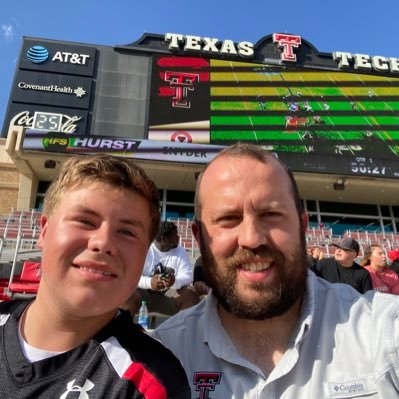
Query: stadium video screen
(285, 109)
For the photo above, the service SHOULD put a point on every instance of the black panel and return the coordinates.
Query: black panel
(59, 57)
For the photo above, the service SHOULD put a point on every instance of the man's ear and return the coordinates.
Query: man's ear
(43, 232)
(305, 221)
(196, 229)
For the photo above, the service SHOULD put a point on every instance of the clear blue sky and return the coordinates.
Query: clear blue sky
(355, 26)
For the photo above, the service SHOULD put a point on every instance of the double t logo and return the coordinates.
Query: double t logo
(206, 382)
(287, 43)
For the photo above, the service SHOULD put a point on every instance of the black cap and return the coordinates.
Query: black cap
(348, 244)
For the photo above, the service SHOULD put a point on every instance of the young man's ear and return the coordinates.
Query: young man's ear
(43, 225)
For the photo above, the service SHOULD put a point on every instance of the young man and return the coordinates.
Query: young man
(270, 328)
(166, 282)
(342, 268)
(99, 218)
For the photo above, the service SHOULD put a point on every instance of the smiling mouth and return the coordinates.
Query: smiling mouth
(91, 270)
(255, 266)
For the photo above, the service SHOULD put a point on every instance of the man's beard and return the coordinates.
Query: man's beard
(289, 280)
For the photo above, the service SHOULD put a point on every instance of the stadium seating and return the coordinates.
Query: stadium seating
(315, 237)
(20, 223)
(28, 282)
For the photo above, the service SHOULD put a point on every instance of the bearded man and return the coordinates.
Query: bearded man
(270, 328)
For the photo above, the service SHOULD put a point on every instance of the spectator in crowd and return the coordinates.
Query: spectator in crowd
(342, 268)
(166, 282)
(100, 215)
(314, 255)
(394, 260)
(200, 285)
(383, 278)
(270, 327)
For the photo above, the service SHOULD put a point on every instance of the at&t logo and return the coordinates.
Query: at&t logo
(39, 54)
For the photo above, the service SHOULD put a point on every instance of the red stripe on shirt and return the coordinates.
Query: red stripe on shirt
(145, 382)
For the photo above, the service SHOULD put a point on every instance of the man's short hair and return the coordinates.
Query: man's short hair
(254, 152)
(120, 173)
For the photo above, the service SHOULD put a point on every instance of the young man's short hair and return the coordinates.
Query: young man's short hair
(117, 172)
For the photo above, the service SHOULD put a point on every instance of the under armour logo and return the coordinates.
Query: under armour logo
(88, 385)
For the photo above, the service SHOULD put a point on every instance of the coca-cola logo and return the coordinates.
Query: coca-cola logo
(26, 120)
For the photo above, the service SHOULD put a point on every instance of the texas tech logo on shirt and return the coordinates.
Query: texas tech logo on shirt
(287, 43)
(205, 383)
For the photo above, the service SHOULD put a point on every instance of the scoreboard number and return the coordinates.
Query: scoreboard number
(47, 121)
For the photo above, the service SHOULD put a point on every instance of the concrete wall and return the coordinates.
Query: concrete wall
(9, 181)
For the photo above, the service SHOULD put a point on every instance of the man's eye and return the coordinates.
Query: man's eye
(272, 215)
(128, 233)
(230, 217)
(86, 222)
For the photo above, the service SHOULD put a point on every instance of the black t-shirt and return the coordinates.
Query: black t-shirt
(120, 361)
(356, 276)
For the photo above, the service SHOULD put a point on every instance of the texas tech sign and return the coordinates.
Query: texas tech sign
(281, 48)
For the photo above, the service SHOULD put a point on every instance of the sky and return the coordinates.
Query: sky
(355, 26)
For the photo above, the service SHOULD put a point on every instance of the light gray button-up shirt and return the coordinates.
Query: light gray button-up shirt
(346, 345)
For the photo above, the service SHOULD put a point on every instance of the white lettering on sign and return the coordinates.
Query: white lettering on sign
(286, 42)
(79, 91)
(364, 62)
(24, 119)
(71, 58)
(208, 45)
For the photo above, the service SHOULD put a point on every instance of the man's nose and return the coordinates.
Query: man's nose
(252, 233)
(103, 240)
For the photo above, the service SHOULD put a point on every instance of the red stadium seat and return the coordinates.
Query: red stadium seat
(29, 280)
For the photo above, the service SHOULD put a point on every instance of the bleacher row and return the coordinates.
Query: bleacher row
(315, 237)
(20, 223)
(22, 228)
(324, 237)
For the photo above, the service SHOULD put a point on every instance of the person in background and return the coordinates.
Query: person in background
(100, 215)
(200, 285)
(394, 260)
(314, 255)
(270, 328)
(383, 278)
(166, 282)
(342, 268)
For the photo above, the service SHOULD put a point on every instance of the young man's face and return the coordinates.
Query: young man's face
(251, 240)
(93, 249)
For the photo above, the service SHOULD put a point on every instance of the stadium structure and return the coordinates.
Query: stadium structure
(172, 101)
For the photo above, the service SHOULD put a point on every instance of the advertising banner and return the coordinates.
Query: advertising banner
(59, 57)
(138, 149)
(51, 89)
(40, 117)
